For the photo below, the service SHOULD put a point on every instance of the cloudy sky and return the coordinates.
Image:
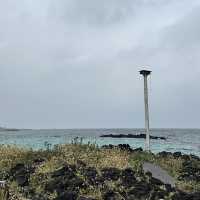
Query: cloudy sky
(74, 63)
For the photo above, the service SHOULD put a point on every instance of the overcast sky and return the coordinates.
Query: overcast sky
(75, 63)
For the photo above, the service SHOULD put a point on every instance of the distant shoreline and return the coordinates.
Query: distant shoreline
(11, 129)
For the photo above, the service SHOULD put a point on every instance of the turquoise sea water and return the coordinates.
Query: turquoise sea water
(184, 140)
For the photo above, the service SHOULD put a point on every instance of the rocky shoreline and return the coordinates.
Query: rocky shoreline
(45, 176)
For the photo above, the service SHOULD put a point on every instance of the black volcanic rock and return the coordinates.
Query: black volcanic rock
(133, 136)
(125, 147)
(68, 181)
(138, 149)
(186, 196)
(140, 191)
(67, 196)
(67, 171)
(177, 154)
(111, 173)
(128, 177)
(91, 174)
(111, 195)
(85, 198)
(165, 154)
(195, 157)
(190, 171)
(20, 173)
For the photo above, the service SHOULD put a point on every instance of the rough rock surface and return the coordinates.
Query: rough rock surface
(114, 184)
(67, 184)
(133, 136)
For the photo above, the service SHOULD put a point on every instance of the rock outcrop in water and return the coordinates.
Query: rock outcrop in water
(133, 136)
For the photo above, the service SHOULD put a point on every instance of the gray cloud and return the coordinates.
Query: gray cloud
(74, 64)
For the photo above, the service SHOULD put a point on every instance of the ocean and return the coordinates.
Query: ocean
(185, 140)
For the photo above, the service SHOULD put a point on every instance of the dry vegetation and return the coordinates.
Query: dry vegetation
(74, 154)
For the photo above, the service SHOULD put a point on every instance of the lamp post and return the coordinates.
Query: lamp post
(145, 74)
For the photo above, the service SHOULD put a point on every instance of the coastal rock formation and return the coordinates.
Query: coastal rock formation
(20, 173)
(133, 136)
(125, 147)
(47, 177)
(190, 170)
(67, 183)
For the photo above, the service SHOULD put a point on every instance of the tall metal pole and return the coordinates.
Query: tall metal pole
(145, 73)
